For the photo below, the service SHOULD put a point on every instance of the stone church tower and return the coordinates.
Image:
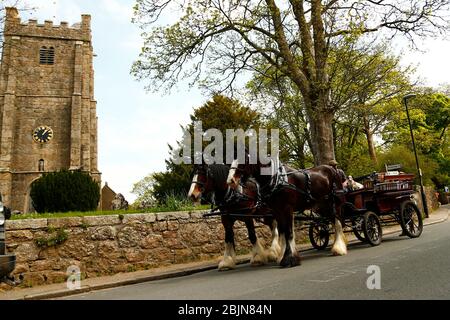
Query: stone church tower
(48, 118)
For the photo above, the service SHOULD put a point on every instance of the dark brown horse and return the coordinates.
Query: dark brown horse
(318, 189)
(210, 181)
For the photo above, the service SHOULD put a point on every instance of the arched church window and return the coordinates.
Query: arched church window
(47, 55)
(41, 165)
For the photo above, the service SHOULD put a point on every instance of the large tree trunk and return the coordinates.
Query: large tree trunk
(370, 142)
(311, 75)
(371, 146)
(321, 128)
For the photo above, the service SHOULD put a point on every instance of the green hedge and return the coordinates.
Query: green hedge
(65, 191)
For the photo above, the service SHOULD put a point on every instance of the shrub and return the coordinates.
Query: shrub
(60, 237)
(65, 191)
(176, 202)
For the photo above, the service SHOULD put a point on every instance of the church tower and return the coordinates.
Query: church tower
(48, 118)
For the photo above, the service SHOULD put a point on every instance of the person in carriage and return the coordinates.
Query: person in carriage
(347, 182)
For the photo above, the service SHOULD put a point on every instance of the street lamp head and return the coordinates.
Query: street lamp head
(408, 96)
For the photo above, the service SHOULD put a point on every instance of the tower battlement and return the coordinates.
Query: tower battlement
(15, 27)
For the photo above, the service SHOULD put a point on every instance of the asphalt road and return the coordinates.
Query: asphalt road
(409, 269)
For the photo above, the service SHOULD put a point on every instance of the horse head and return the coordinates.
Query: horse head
(201, 183)
(209, 180)
(240, 171)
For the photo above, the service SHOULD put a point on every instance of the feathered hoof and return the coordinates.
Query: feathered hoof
(258, 260)
(338, 251)
(273, 255)
(290, 261)
(227, 264)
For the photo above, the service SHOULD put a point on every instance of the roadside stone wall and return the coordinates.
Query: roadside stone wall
(430, 194)
(105, 245)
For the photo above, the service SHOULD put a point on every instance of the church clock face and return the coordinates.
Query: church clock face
(42, 134)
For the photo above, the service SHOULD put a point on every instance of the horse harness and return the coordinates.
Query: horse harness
(231, 197)
(280, 181)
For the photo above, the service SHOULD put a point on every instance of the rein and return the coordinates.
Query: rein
(234, 197)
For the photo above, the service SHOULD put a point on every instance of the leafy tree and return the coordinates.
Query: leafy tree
(282, 107)
(224, 113)
(175, 181)
(65, 191)
(214, 41)
(377, 82)
(143, 190)
(401, 154)
(430, 120)
(220, 113)
(438, 113)
(365, 82)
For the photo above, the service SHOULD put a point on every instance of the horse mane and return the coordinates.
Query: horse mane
(219, 174)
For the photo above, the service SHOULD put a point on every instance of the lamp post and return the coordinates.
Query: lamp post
(419, 171)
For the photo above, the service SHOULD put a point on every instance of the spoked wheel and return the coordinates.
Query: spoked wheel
(372, 228)
(357, 227)
(411, 219)
(319, 235)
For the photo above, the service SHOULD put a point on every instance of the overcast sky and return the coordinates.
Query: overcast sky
(135, 126)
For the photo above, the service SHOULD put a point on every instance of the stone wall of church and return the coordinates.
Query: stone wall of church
(33, 94)
(45, 80)
(32, 112)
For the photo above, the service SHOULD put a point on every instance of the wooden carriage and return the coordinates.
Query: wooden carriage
(386, 199)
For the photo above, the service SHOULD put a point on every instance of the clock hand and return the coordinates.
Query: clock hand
(47, 133)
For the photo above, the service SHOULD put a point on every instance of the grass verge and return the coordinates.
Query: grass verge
(102, 213)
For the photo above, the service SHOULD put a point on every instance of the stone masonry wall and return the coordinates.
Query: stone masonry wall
(104, 245)
(430, 194)
(59, 95)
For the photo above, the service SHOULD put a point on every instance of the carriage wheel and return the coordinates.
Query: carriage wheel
(411, 219)
(319, 235)
(357, 227)
(372, 228)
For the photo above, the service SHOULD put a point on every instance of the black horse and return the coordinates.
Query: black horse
(318, 189)
(210, 181)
